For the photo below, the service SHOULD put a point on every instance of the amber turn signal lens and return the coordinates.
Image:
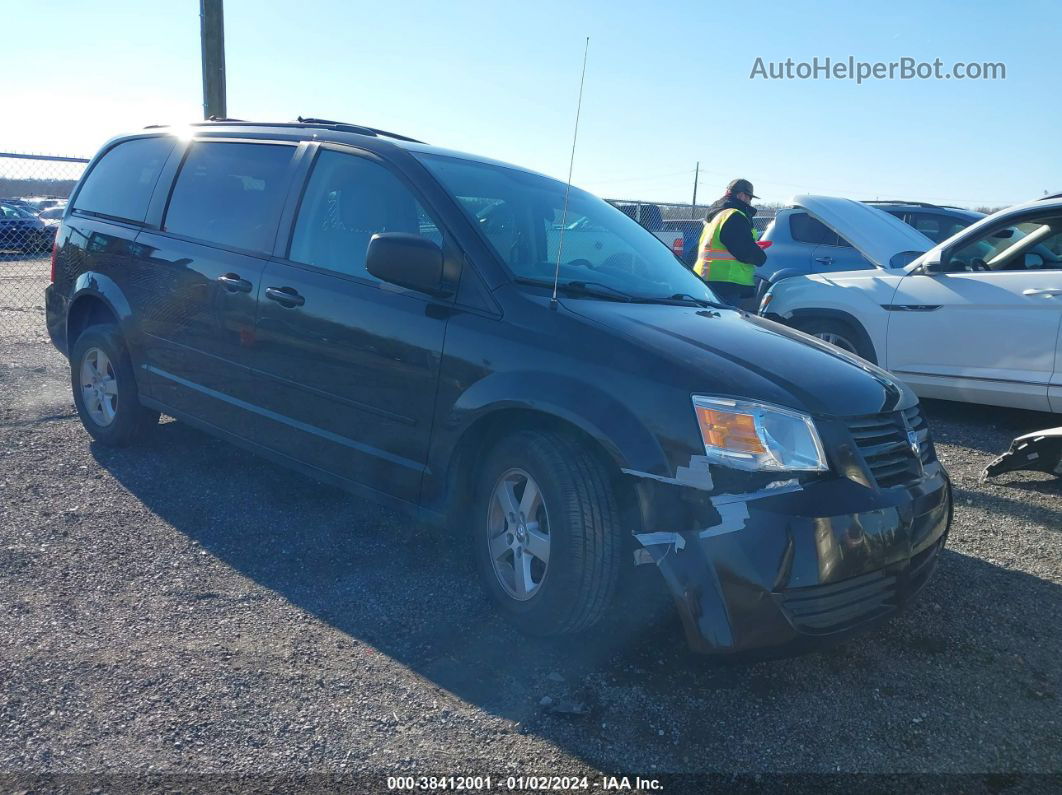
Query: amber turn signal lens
(729, 430)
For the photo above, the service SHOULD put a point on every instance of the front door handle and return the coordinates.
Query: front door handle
(1047, 292)
(824, 260)
(233, 283)
(285, 296)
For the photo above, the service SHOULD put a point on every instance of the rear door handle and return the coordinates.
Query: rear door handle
(824, 260)
(1044, 291)
(233, 283)
(285, 296)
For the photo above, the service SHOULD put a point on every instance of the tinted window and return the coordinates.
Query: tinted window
(121, 183)
(938, 227)
(230, 194)
(806, 229)
(347, 201)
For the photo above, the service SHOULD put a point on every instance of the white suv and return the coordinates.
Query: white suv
(976, 318)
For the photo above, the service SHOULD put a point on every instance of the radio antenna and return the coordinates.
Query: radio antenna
(568, 189)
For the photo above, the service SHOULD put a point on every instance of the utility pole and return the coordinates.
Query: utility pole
(696, 174)
(212, 35)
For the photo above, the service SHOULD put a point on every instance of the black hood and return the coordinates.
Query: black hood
(724, 352)
(729, 203)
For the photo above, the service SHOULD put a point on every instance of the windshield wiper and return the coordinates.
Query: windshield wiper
(591, 288)
(704, 302)
(596, 289)
(683, 298)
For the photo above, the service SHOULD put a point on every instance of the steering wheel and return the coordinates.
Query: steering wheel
(977, 265)
(582, 263)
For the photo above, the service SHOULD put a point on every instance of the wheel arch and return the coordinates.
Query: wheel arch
(609, 429)
(95, 299)
(801, 317)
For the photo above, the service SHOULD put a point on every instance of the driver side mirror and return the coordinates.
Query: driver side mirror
(407, 260)
(933, 263)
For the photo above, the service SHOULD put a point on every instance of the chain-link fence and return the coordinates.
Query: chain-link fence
(670, 221)
(33, 193)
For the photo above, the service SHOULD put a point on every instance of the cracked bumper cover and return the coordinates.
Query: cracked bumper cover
(806, 566)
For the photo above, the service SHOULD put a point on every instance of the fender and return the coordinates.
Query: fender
(591, 409)
(834, 314)
(104, 288)
(785, 273)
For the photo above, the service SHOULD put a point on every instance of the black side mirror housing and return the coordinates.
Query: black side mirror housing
(407, 260)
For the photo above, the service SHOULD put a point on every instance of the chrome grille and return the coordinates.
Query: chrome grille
(882, 439)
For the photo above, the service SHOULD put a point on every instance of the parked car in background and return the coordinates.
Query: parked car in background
(51, 219)
(39, 203)
(672, 234)
(21, 230)
(936, 221)
(799, 244)
(411, 324)
(976, 318)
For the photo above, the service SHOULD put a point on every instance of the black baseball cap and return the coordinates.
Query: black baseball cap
(741, 186)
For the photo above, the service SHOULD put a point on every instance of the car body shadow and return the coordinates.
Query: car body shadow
(410, 592)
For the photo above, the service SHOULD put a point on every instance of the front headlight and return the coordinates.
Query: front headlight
(758, 436)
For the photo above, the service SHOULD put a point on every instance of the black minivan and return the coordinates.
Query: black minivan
(478, 344)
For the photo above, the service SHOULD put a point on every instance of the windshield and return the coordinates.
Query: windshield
(523, 218)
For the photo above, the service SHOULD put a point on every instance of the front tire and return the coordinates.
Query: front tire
(105, 391)
(547, 534)
(840, 335)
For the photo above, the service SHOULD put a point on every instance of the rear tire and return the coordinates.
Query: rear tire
(841, 335)
(573, 515)
(105, 390)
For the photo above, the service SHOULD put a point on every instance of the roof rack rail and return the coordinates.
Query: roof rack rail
(338, 126)
(902, 201)
(344, 126)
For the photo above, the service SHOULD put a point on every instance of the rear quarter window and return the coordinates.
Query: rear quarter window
(121, 182)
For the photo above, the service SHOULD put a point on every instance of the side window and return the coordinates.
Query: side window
(120, 184)
(806, 229)
(347, 200)
(230, 194)
(928, 225)
(1030, 245)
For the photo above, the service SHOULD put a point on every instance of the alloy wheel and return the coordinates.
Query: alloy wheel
(838, 341)
(99, 387)
(518, 534)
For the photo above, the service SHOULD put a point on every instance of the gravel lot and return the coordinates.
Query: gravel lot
(188, 607)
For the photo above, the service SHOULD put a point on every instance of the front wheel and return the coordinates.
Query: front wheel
(105, 391)
(547, 535)
(840, 335)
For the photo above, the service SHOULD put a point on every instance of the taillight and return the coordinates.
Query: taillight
(55, 251)
(678, 246)
(764, 244)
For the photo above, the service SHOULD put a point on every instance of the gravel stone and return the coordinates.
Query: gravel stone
(187, 607)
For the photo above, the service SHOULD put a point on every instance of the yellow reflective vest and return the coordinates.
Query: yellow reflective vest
(714, 262)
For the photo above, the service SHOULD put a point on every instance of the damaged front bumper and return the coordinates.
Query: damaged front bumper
(792, 566)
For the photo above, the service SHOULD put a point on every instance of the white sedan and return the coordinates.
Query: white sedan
(976, 318)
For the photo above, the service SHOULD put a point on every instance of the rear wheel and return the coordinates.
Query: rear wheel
(841, 335)
(547, 536)
(105, 391)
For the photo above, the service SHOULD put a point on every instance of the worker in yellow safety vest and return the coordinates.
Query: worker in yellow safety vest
(727, 254)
